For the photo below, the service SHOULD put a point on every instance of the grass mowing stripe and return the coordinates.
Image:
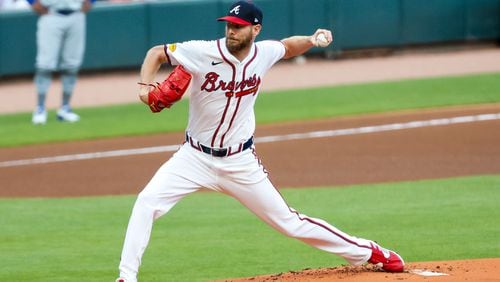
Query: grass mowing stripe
(135, 119)
(211, 236)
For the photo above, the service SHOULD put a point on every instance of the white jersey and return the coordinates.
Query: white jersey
(75, 5)
(223, 89)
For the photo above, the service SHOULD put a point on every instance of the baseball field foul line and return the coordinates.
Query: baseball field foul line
(265, 139)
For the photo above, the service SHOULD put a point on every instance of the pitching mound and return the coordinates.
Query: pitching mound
(457, 271)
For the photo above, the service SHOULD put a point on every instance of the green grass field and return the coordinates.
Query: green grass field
(210, 236)
(135, 119)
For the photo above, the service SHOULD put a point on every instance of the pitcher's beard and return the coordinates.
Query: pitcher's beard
(236, 46)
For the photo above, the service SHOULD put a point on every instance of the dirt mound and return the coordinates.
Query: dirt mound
(457, 271)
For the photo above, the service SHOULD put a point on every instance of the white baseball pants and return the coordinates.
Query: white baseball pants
(242, 177)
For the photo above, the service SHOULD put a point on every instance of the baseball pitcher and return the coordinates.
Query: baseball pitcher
(224, 77)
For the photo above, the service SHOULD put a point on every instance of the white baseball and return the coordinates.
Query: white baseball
(321, 40)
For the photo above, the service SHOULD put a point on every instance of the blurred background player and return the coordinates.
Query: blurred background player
(9, 5)
(60, 41)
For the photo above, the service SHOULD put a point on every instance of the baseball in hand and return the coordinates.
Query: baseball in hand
(321, 40)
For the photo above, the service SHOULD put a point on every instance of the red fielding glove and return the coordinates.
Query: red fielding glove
(165, 94)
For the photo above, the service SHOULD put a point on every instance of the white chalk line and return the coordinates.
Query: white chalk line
(265, 139)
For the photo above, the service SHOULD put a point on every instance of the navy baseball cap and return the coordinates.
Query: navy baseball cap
(243, 13)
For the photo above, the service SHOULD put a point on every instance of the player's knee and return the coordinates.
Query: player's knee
(70, 71)
(291, 224)
(48, 66)
(146, 198)
(149, 204)
(286, 227)
(44, 72)
(149, 201)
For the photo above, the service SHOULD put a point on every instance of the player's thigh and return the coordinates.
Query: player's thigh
(49, 38)
(74, 42)
(248, 182)
(181, 175)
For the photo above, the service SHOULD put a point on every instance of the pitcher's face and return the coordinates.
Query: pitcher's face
(240, 37)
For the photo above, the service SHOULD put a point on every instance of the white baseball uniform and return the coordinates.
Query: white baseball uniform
(222, 122)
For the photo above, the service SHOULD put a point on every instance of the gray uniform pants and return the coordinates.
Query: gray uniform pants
(60, 41)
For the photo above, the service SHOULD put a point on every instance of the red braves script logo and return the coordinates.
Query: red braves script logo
(213, 83)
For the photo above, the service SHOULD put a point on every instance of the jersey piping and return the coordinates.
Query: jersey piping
(228, 96)
(240, 95)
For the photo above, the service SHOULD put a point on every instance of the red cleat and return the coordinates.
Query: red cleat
(386, 259)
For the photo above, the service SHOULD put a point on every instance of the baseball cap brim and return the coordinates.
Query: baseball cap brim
(235, 20)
